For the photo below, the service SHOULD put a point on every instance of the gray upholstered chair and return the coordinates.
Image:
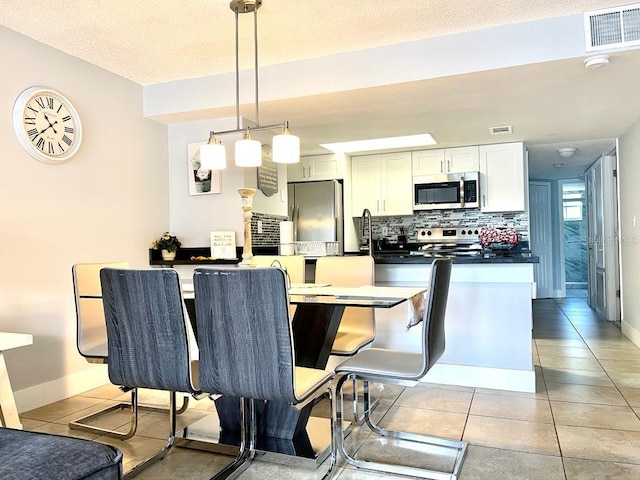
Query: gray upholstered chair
(43, 456)
(406, 369)
(91, 341)
(148, 338)
(246, 350)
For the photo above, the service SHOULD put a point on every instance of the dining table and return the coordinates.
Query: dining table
(288, 430)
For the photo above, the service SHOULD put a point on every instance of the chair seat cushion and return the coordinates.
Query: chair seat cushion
(348, 343)
(308, 380)
(380, 362)
(42, 456)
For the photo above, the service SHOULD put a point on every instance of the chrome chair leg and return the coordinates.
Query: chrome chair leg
(81, 425)
(170, 442)
(248, 438)
(459, 446)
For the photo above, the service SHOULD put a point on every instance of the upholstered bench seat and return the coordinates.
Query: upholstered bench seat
(42, 456)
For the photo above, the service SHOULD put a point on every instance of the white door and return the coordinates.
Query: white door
(541, 237)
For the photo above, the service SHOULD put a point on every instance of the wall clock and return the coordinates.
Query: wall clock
(47, 125)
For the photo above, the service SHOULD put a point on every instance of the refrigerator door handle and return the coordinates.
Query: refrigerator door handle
(294, 218)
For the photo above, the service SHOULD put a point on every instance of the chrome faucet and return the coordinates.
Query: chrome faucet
(366, 215)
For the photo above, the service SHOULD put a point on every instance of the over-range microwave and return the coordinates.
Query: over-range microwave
(449, 190)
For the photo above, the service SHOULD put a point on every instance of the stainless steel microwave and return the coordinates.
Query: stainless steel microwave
(449, 190)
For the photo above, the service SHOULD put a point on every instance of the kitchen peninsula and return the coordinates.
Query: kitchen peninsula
(488, 321)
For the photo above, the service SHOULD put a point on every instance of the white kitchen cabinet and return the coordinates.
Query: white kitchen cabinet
(445, 160)
(382, 183)
(316, 167)
(503, 177)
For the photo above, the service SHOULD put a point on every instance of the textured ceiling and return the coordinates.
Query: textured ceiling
(550, 104)
(157, 41)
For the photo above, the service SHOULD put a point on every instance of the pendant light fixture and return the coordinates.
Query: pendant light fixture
(248, 151)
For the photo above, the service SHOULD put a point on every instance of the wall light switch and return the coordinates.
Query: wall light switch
(385, 231)
(259, 226)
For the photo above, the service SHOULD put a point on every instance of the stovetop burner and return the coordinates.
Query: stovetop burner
(454, 241)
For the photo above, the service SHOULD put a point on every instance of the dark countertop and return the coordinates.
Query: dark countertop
(382, 258)
(395, 258)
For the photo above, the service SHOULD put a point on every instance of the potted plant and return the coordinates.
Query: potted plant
(168, 244)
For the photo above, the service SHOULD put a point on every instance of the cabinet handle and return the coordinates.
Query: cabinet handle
(448, 165)
(484, 200)
(441, 166)
(303, 172)
(384, 205)
(378, 205)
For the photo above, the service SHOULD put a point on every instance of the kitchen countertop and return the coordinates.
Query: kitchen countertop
(405, 258)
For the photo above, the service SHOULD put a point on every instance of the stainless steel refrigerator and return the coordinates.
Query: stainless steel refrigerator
(316, 211)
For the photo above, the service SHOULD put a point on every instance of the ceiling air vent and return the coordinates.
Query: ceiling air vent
(500, 130)
(613, 27)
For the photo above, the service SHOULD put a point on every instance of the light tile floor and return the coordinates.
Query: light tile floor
(582, 422)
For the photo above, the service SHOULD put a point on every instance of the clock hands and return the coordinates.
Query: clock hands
(50, 125)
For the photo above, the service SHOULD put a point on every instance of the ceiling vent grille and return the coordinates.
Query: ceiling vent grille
(613, 27)
(500, 130)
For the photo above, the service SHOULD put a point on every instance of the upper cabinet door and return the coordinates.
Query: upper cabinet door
(382, 183)
(397, 185)
(365, 190)
(503, 177)
(462, 159)
(445, 160)
(317, 167)
(427, 162)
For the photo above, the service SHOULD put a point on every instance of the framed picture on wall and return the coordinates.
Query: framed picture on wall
(201, 181)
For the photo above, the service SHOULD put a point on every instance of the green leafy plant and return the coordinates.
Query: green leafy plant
(166, 242)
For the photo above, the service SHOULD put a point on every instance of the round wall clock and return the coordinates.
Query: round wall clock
(47, 125)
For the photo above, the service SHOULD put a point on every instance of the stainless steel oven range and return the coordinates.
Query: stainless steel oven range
(448, 241)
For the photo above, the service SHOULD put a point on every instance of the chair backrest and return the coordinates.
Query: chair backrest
(244, 334)
(433, 330)
(293, 264)
(147, 329)
(91, 331)
(353, 271)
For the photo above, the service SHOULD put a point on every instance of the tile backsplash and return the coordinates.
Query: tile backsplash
(448, 218)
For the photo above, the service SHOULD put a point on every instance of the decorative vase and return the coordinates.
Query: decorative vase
(167, 255)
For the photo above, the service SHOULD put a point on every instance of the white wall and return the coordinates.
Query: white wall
(106, 203)
(629, 176)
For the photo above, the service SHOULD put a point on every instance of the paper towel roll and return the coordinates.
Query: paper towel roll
(286, 233)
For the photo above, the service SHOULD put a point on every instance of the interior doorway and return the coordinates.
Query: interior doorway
(574, 237)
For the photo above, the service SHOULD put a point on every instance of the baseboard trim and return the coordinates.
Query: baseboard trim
(61, 388)
(483, 377)
(630, 332)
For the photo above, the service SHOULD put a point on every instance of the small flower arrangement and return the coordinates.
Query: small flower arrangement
(498, 236)
(167, 242)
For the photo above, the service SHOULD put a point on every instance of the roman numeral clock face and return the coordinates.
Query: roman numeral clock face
(47, 125)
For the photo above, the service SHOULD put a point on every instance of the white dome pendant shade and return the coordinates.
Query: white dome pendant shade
(248, 152)
(286, 147)
(213, 155)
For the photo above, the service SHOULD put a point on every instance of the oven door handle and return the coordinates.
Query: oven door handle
(462, 191)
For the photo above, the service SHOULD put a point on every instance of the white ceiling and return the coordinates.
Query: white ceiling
(550, 104)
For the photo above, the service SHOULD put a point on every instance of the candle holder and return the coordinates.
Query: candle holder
(247, 207)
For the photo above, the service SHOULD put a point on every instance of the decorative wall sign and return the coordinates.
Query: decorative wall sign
(201, 181)
(223, 244)
(267, 173)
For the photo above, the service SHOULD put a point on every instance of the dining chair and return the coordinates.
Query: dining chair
(91, 342)
(293, 265)
(246, 350)
(148, 334)
(406, 369)
(357, 326)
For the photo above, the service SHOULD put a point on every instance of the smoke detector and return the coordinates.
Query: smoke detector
(597, 61)
(566, 152)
